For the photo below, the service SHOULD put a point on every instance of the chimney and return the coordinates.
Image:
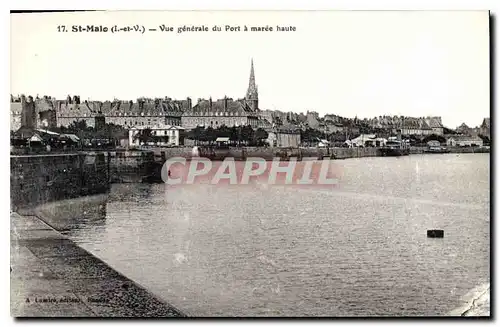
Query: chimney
(225, 103)
(210, 103)
(190, 105)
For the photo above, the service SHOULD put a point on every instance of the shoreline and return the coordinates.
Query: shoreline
(242, 153)
(51, 276)
(477, 303)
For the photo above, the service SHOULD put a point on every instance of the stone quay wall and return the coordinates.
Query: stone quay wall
(38, 179)
(455, 149)
(163, 153)
(130, 166)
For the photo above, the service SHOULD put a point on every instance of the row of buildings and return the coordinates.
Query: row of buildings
(47, 112)
(165, 113)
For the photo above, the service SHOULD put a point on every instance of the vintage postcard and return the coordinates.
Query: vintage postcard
(216, 164)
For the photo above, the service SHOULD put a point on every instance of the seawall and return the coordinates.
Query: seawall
(162, 154)
(456, 149)
(42, 178)
(130, 166)
(38, 179)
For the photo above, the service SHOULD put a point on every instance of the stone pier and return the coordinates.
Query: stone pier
(53, 277)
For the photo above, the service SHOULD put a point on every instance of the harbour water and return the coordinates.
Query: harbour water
(359, 249)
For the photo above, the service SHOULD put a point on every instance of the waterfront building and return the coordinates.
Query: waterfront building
(283, 137)
(464, 140)
(463, 129)
(143, 112)
(333, 127)
(32, 113)
(435, 124)
(413, 126)
(485, 127)
(166, 135)
(364, 140)
(313, 120)
(28, 112)
(228, 112)
(48, 112)
(15, 114)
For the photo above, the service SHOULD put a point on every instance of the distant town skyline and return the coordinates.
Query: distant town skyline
(364, 64)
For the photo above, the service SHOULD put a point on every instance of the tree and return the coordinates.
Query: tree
(116, 131)
(247, 134)
(223, 131)
(78, 125)
(337, 137)
(235, 134)
(145, 135)
(311, 136)
(195, 134)
(260, 136)
(210, 135)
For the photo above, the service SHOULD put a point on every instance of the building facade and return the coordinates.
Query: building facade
(283, 137)
(143, 112)
(485, 128)
(226, 111)
(435, 124)
(161, 136)
(464, 140)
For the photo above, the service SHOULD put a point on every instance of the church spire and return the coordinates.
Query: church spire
(252, 93)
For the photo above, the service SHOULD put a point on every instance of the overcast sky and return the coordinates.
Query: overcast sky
(346, 63)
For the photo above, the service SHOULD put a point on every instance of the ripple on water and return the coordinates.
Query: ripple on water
(359, 250)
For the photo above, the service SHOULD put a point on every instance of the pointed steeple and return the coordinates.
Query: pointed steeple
(252, 93)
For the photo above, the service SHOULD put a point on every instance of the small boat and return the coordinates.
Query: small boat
(394, 148)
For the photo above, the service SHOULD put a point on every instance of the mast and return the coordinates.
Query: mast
(400, 134)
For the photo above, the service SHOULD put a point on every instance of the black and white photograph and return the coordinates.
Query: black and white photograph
(250, 164)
